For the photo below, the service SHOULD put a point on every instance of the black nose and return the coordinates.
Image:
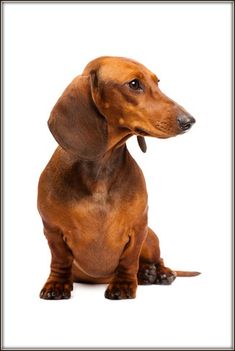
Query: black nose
(185, 122)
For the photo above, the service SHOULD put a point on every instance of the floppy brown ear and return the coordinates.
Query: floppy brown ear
(75, 122)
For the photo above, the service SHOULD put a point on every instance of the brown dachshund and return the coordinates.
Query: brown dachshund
(92, 195)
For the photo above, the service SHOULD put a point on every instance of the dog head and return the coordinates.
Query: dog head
(113, 99)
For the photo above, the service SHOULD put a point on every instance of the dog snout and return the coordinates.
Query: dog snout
(185, 122)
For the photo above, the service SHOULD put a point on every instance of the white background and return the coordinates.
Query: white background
(188, 177)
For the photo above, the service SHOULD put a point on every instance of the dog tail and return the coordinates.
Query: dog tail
(186, 274)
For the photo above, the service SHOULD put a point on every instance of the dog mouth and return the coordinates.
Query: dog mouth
(161, 133)
(142, 132)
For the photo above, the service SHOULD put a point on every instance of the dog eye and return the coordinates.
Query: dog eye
(158, 80)
(135, 84)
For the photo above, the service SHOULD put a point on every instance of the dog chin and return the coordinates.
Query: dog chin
(160, 134)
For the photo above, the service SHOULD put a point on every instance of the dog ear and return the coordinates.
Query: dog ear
(142, 143)
(76, 123)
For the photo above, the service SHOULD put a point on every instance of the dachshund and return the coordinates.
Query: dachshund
(92, 195)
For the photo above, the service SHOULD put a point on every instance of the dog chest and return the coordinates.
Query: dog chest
(97, 242)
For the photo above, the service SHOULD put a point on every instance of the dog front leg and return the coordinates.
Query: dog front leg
(59, 283)
(124, 283)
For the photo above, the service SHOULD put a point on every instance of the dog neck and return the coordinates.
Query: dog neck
(103, 167)
(102, 173)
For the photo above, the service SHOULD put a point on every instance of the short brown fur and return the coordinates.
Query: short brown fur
(92, 195)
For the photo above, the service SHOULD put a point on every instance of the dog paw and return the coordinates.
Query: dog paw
(165, 276)
(56, 291)
(147, 274)
(155, 274)
(164, 279)
(121, 290)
